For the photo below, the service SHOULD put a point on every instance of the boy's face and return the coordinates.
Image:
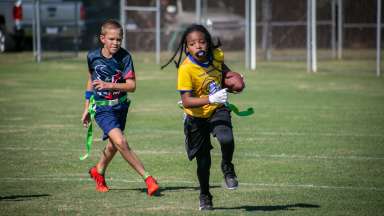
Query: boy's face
(111, 40)
(196, 43)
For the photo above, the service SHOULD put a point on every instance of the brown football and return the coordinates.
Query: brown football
(233, 81)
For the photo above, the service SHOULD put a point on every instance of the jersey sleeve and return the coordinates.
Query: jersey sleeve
(128, 71)
(218, 56)
(184, 81)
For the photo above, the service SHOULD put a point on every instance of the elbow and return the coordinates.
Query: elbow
(187, 106)
(132, 88)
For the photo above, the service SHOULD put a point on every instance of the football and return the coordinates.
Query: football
(233, 81)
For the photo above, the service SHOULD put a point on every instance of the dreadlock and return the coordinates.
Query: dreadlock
(183, 44)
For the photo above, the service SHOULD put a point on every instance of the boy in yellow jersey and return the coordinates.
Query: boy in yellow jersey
(200, 85)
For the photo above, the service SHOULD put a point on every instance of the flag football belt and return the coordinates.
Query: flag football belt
(236, 110)
(92, 111)
(111, 102)
(232, 107)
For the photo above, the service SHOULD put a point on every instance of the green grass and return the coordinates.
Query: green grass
(315, 145)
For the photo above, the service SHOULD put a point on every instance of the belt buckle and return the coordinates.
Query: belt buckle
(113, 102)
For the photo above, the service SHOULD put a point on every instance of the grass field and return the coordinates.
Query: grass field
(315, 145)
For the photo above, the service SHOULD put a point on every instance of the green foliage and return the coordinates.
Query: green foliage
(313, 147)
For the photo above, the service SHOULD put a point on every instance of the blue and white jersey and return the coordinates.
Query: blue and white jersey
(116, 70)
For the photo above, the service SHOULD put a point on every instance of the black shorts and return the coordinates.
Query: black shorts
(198, 130)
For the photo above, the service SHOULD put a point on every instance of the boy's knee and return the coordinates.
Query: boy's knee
(223, 134)
(225, 139)
(121, 143)
(110, 147)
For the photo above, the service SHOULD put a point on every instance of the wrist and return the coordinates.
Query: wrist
(109, 86)
(211, 99)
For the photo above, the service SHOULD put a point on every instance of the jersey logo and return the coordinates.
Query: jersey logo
(213, 87)
(117, 76)
(102, 73)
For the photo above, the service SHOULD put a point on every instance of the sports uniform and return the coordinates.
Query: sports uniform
(111, 76)
(116, 70)
(202, 80)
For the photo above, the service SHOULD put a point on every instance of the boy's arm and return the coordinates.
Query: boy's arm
(128, 86)
(85, 117)
(219, 97)
(88, 88)
(189, 101)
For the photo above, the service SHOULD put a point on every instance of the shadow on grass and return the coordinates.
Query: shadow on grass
(271, 208)
(21, 197)
(162, 189)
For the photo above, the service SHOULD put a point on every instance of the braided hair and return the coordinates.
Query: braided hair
(183, 45)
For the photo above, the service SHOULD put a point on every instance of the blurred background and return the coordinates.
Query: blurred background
(73, 26)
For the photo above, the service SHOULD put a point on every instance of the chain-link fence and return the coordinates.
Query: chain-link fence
(344, 28)
(281, 26)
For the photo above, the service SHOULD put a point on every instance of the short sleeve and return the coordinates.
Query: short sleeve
(218, 55)
(184, 82)
(128, 71)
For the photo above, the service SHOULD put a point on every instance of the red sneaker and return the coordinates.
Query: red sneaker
(152, 186)
(101, 186)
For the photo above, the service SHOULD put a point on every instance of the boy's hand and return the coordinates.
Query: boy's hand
(220, 97)
(86, 118)
(101, 85)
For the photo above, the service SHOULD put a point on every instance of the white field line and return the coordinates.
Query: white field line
(237, 154)
(14, 128)
(313, 157)
(85, 178)
(341, 134)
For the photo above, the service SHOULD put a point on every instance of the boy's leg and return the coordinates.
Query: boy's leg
(203, 166)
(222, 130)
(203, 160)
(106, 156)
(97, 172)
(120, 142)
(112, 121)
(198, 144)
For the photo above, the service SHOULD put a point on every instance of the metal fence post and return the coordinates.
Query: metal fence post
(378, 39)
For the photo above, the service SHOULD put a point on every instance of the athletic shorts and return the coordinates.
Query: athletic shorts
(110, 117)
(197, 131)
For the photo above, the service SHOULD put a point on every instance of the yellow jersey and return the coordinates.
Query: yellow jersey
(201, 80)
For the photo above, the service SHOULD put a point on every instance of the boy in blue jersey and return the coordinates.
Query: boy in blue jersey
(111, 76)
